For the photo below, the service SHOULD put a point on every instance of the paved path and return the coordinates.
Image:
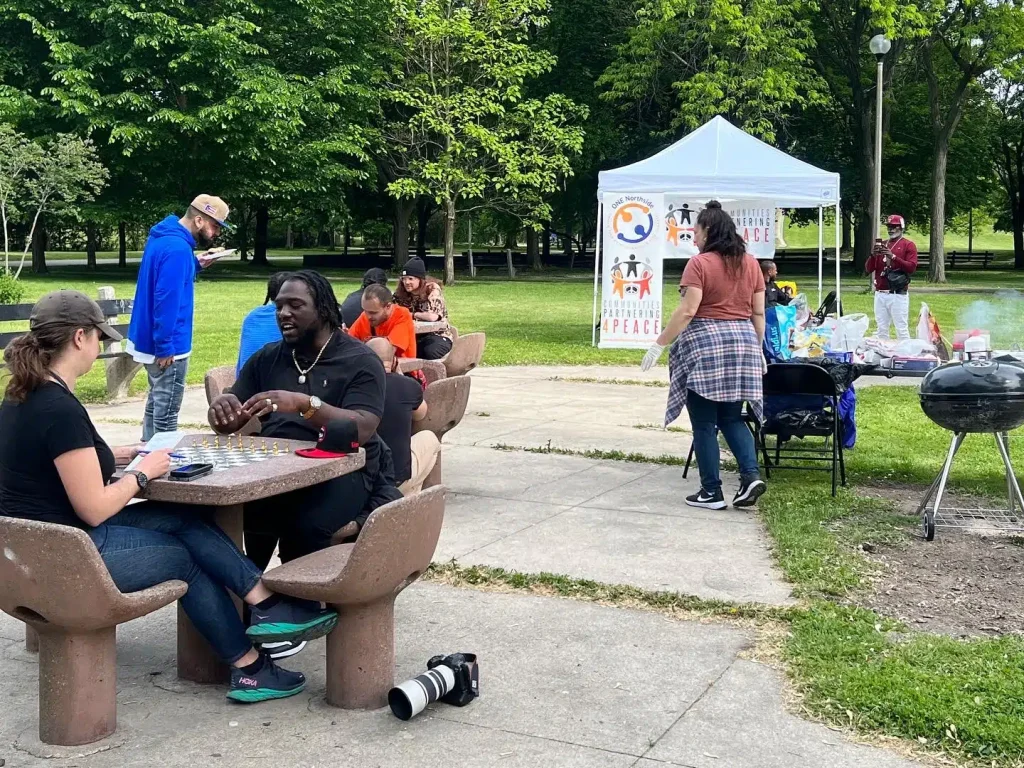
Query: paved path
(564, 683)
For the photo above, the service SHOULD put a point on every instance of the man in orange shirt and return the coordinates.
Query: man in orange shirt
(383, 318)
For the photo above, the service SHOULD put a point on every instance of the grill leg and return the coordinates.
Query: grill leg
(1011, 478)
(954, 446)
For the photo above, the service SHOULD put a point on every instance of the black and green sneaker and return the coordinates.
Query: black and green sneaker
(288, 620)
(268, 682)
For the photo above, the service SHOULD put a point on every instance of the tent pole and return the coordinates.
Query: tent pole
(821, 251)
(597, 263)
(839, 293)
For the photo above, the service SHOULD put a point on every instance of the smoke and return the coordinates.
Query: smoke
(1003, 316)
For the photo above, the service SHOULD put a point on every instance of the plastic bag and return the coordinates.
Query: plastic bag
(849, 333)
(803, 310)
(913, 348)
(924, 331)
(780, 324)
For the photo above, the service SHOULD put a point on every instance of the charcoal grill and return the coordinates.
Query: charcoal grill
(979, 396)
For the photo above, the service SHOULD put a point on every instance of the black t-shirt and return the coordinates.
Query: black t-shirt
(48, 424)
(349, 375)
(402, 396)
(352, 308)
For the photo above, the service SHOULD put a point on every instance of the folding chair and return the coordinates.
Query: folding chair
(804, 379)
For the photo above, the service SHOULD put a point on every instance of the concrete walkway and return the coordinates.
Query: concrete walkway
(564, 683)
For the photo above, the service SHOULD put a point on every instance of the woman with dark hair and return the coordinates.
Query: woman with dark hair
(55, 468)
(716, 364)
(422, 296)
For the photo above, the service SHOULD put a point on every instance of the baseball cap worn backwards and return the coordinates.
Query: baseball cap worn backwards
(213, 207)
(71, 308)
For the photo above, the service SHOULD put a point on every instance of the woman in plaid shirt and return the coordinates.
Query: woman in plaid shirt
(422, 296)
(716, 364)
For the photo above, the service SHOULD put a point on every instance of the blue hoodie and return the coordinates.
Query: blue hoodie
(161, 323)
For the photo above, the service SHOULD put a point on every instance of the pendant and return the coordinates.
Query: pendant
(302, 379)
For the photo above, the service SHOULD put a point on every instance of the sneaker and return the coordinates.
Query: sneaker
(282, 650)
(290, 621)
(707, 500)
(749, 493)
(271, 682)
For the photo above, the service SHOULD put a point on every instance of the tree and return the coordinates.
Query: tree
(469, 135)
(972, 38)
(687, 61)
(39, 177)
(1009, 143)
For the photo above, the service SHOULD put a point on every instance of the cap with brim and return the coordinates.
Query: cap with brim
(71, 308)
(215, 208)
(896, 221)
(337, 438)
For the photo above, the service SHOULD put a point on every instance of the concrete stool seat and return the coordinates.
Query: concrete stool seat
(433, 370)
(361, 581)
(53, 579)
(446, 401)
(215, 382)
(466, 353)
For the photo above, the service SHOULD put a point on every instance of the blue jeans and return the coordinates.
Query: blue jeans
(707, 418)
(146, 544)
(166, 390)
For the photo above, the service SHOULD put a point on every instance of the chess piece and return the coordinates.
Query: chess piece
(216, 442)
(206, 442)
(276, 450)
(264, 446)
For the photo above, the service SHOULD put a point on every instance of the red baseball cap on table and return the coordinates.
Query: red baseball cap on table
(337, 438)
(896, 221)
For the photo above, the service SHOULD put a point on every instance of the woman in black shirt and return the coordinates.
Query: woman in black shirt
(55, 468)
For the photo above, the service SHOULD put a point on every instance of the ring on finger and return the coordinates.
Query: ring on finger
(273, 406)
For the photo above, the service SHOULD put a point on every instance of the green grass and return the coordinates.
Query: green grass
(806, 236)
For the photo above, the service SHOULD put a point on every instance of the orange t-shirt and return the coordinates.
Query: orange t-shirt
(399, 329)
(725, 294)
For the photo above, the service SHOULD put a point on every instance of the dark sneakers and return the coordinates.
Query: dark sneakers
(290, 621)
(706, 500)
(269, 682)
(750, 491)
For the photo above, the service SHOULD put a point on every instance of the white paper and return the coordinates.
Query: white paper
(159, 441)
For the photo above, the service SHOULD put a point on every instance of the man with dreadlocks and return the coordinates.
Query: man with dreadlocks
(315, 375)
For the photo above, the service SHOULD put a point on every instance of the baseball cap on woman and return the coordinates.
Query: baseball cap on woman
(71, 308)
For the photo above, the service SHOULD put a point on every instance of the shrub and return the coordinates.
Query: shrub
(11, 290)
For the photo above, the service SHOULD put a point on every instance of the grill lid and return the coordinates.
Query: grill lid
(999, 379)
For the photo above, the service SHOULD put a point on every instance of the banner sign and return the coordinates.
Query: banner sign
(631, 285)
(755, 222)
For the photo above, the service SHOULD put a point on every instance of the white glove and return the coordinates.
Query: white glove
(652, 356)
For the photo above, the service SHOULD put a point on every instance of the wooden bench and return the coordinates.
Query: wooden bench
(361, 581)
(53, 579)
(121, 368)
(975, 257)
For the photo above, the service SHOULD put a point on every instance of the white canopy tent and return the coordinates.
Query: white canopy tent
(718, 161)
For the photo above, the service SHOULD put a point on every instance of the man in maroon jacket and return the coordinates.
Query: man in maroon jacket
(892, 301)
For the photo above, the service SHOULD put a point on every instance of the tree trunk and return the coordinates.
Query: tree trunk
(423, 213)
(449, 242)
(289, 241)
(1017, 219)
(936, 241)
(545, 246)
(90, 244)
(533, 249)
(847, 232)
(39, 249)
(259, 251)
(122, 244)
(347, 243)
(403, 213)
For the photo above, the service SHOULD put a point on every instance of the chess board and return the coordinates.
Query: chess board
(229, 452)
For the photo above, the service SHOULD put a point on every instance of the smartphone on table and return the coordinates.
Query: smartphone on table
(191, 472)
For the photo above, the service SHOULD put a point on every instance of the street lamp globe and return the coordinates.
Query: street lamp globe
(880, 45)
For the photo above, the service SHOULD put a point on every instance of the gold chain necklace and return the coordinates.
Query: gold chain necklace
(302, 373)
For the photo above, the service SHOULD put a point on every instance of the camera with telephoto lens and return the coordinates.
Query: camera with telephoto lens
(452, 679)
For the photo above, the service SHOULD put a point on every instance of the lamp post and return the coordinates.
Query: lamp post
(879, 45)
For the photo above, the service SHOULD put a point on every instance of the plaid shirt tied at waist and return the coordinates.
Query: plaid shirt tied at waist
(720, 360)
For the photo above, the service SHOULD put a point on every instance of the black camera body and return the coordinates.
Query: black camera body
(467, 677)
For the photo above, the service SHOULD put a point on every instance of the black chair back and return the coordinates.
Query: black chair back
(798, 379)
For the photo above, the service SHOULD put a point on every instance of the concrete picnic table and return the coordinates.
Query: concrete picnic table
(409, 364)
(423, 327)
(227, 490)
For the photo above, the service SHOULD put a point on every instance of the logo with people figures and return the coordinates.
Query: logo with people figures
(633, 221)
(679, 223)
(631, 277)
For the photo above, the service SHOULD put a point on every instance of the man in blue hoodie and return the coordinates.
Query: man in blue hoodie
(160, 333)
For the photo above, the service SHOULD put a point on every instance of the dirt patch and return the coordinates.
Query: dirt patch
(963, 583)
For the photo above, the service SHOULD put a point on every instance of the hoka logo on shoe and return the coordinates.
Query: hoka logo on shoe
(247, 681)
